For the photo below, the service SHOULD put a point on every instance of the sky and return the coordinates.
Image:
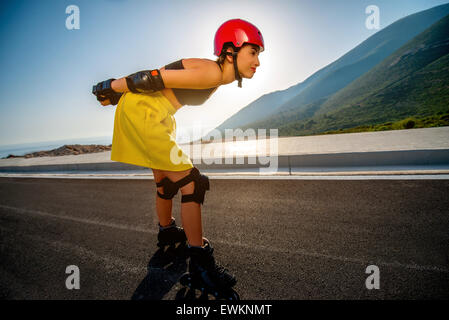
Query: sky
(49, 70)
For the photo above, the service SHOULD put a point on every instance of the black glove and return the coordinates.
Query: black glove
(102, 90)
(113, 98)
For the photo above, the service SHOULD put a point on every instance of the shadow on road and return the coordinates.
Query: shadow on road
(164, 270)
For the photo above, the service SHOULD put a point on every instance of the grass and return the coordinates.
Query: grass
(439, 120)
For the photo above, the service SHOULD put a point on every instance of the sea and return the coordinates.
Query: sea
(22, 149)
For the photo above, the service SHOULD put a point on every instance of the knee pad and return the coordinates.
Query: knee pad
(171, 188)
(201, 186)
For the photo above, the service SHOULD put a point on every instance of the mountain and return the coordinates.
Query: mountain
(413, 81)
(304, 99)
(366, 55)
(261, 108)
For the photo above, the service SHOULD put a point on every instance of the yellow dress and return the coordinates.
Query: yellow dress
(145, 133)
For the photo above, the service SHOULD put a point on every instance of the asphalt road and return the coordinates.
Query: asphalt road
(283, 239)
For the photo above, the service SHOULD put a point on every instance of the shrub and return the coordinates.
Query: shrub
(408, 124)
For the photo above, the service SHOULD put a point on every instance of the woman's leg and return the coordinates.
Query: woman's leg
(163, 206)
(190, 211)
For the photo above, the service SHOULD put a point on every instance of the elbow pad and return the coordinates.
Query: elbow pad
(146, 81)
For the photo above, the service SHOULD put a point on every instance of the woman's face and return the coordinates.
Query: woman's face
(248, 60)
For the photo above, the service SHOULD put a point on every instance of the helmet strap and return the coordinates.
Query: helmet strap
(237, 74)
(236, 70)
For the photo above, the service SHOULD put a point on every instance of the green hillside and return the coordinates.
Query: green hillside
(439, 120)
(411, 82)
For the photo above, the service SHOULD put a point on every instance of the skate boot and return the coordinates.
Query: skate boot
(208, 276)
(171, 236)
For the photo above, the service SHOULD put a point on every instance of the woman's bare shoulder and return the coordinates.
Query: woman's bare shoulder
(193, 63)
(197, 74)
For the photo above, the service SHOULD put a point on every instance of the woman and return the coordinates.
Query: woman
(145, 127)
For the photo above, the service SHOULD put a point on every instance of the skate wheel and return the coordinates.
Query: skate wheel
(233, 296)
(203, 296)
(186, 280)
(230, 295)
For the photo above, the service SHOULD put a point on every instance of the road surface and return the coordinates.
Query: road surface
(283, 239)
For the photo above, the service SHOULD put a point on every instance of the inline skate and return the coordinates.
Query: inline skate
(171, 236)
(208, 276)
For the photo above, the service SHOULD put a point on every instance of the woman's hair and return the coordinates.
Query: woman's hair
(221, 59)
(222, 56)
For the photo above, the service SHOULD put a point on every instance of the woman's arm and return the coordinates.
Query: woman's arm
(119, 85)
(203, 74)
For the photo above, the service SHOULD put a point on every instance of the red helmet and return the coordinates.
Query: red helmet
(238, 32)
